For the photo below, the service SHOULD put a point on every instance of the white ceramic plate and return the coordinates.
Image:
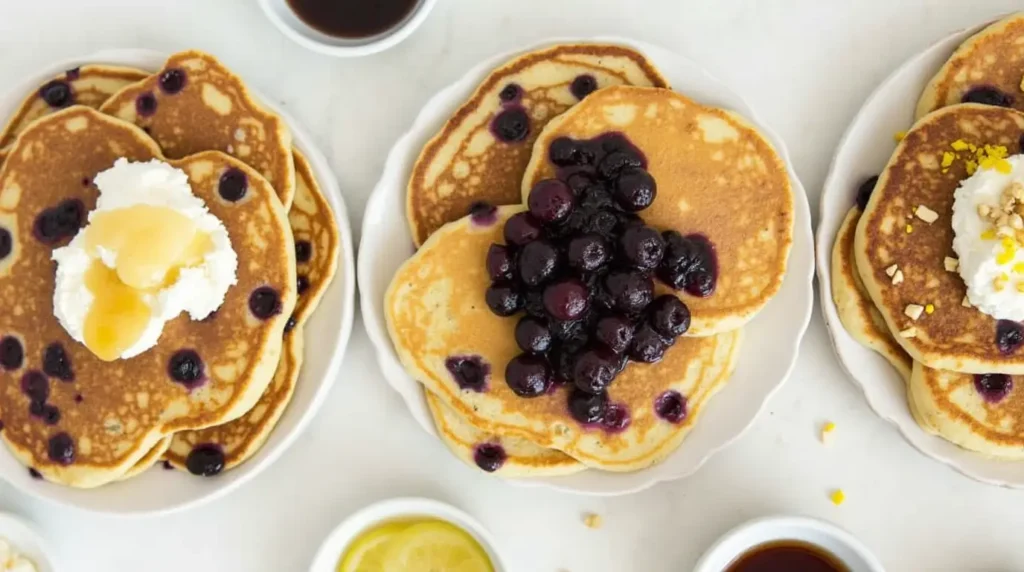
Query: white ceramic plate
(771, 340)
(158, 490)
(864, 151)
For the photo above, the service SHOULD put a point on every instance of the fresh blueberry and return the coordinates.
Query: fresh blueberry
(172, 81)
(583, 85)
(489, 457)
(233, 185)
(265, 302)
(57, 94)
(528, 376)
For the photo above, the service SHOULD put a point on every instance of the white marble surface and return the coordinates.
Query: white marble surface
(805, 65)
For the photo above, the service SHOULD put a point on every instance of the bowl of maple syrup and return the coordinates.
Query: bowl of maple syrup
(347, 28)
(787, 544)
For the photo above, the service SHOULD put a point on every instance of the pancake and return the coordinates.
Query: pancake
(240, 439)
(316, 240)
(700, 157)
(987, 68)
(111, 414)
(466, 162)
(196, 104)
(151, 458)
(982, 413)
(954, 337)
(88, 85)
(853, 304)
(505, 456)
(436, 312)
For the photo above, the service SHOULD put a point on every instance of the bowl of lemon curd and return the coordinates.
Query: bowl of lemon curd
(408, 535)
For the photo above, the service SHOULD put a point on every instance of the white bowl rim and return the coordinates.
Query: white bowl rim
(26, 540)
(344, 279)
(335, 543)
(373, 45)
(379, 337)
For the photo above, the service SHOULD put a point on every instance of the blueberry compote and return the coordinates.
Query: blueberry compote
(577, 271)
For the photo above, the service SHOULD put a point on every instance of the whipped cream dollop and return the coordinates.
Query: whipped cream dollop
(12, 561)
(989, 238)
(197, 289)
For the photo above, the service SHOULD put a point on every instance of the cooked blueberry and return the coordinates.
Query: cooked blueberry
(500, 263)
(669, 316)
(303, 251)
(6, 243)
(535, 304)
(993, 386)
(564, 152)
(61, 449)
(616, 418)
(631, 291)
(689, 264)
(12, 355)
(172, 81)
(583, 85)
(205, 460)
(50, 414)
(580, 182)
(264, 302)
(511, 125)
(79, 398)
(618, 162)
(290, 324)
(57, 363)
(528, 376)
(988, 95)
(615, 332)
(671, 406)
(233, 185)
(550, 201)
(587, 253)
(566, 300)
(865, 190)
(489, 456)
(586, 408)
(34, 473)
(510, 92)
(537, 262)
(642, 247)
(635, 190)
(73, 73)
(185, 366)
(1009, 336)
(469, 372)
(145, 104)
(36, 408)
(504, 299)
(483, 213)
(648, 345)
(36, 386)
(521, 229)
(301, 284)
(62, 221)
(533, 335)
(565, 331)
(57, 94)
(602, 223)
(595, 369)
(1020, 144)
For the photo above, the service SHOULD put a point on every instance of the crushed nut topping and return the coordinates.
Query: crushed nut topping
(897, 278)
(913, 311)
(890, 271)
(926, 214)
(909, 333)
(951, 264)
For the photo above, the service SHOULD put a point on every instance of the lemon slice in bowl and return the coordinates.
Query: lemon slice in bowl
(434, 546)
(368, 552)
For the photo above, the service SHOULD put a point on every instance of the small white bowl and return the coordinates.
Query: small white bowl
(326, 559)
(831, 538)
(27, 542)
(282, 15)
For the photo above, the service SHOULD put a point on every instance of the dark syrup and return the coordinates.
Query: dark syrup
(787, 556)
(352, 18)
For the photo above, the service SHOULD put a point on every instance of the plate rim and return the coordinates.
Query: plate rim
(343, 279)
(911, 432)
(372, 317)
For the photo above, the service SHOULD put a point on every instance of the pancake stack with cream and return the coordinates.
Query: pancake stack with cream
(928, 267)
(583, 274)
(161, 246)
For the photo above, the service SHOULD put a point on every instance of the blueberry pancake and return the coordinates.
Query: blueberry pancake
(502, 455)
(716, 181)
(480, 154)
(904, 242)
(83, 421)
(987, 69)
(88, 85)
(195, 104)
(441, 316)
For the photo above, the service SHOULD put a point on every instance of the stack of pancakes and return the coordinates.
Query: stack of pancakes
(893, 255)
(206, 397)
(716, 176)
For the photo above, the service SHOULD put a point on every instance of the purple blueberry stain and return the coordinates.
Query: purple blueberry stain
(483, 214)
(233, 185)
(57, 94)
(12, 354)
(50, 414)
(265, 303)
(583, 85)
(36, 386)
(205, 460)
(489, 456)
(1009, 336)
(616, 418)
(511, 125)
(303, 251)
(301, 284)
(145, 104)
(59, 222)
(32, 472)
(993, 387)
(671, 406)
(79, 398)
(61, 449)
(73, 74)
(57, 363)
(469, 372)
(172, 81)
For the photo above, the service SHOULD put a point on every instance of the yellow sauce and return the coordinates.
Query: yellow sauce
(415, 545)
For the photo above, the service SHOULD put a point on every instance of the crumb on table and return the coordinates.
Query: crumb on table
(591, 520)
